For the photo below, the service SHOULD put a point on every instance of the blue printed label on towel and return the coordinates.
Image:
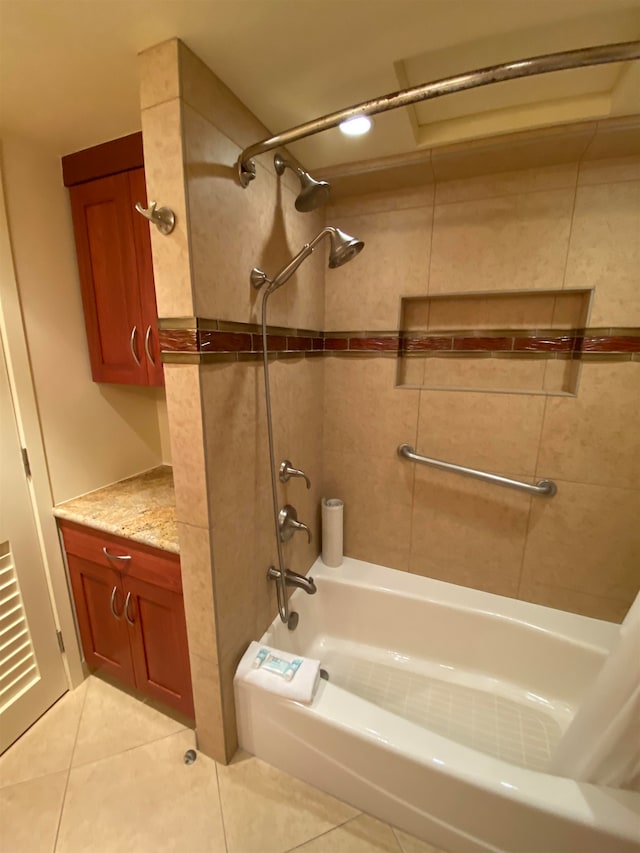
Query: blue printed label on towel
(284, 668)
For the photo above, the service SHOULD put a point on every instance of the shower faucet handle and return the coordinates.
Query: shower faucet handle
(289, 524)
(287, 471)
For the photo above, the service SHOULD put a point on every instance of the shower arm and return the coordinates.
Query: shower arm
(286, 272)
(580, 58)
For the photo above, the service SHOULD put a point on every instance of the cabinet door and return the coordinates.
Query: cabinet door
(138, 192)
(159, 643)
(103, 227)
(99, 599)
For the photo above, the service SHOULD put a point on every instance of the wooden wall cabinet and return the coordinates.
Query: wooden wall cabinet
(114, 261)
(130, 613)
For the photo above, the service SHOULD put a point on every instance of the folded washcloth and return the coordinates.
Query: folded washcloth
(280, 672)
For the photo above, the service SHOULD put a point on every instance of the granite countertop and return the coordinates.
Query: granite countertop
(141, 508)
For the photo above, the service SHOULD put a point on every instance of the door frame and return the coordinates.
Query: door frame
(26, 410)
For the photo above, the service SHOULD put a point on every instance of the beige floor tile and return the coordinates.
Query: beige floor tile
(363, 834)
(112, 721)
(48, 745)
(266, 811)
(411, 844)
(29, 814)
(143, 800)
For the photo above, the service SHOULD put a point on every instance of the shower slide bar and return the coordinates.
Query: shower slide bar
(545, 488)
(581, 58)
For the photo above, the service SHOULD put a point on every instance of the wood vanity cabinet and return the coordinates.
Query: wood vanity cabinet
(130, 613)
(113, 247)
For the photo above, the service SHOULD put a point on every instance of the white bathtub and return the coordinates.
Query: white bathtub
(442, 706)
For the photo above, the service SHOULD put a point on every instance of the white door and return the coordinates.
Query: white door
(32, 674)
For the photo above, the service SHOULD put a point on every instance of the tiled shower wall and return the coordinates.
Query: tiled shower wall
(340, 417)
(193, 129)
(575, 225)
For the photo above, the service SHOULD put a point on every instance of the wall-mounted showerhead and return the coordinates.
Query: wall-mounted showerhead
(343, 249)
(312, 193)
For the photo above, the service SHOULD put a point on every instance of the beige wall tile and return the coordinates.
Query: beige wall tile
(230, 409)
(492, 311)
(508, 243)
(365, 294)
(521, 374)
(468, 532)
(604, 251)
(507, 183)
(524, 150)
(411, 371)
(609, 609)
(364, 412)
(205, 679)
(164, 174)
(197, 589)
(158, 74)
(591, 438)
(233, 230)
(609, 171)
(561, 375)
(617, 137)
(184, 409)
(380, 202)
(493, 432)
(377, 494)
(206, 93)
(586, 538)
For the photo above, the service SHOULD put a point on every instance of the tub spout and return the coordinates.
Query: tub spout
(294, 579)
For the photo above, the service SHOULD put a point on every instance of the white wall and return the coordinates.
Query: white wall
(93, 434)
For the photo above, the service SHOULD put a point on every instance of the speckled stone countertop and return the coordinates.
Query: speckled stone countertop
(141, 508)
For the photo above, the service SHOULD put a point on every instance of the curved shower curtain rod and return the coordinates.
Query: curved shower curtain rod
(581, 58)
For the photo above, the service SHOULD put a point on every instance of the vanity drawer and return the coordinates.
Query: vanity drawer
(131, 559)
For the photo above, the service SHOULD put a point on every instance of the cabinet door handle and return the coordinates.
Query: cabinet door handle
(132, 345)
(126, 610)
(115, 556)
(147, 348)
(112, 603)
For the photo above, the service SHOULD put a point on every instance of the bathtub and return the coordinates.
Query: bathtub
(440, 711)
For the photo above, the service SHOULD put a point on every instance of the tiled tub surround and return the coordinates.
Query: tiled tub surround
(213, 338)
(527, 230)
(341, 418)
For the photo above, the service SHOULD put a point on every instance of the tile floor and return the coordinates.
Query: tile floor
(102, 771)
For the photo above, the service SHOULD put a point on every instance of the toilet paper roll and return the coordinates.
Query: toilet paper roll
(332, 515)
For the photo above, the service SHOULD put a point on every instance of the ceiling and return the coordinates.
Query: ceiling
(68, 70)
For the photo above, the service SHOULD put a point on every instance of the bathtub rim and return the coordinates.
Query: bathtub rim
(584, 631)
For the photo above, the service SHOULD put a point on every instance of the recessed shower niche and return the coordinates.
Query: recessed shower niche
(518, 342)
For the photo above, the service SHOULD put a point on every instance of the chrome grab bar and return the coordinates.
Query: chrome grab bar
(546, 488)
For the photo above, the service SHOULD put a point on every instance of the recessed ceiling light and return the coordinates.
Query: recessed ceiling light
(356, 126)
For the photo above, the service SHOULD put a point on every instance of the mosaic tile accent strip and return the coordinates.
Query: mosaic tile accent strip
(218, 337)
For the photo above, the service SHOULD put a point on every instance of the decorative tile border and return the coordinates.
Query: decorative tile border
(211, 339)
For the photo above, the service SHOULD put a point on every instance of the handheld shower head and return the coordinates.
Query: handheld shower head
(312, 193)
(343, 249)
